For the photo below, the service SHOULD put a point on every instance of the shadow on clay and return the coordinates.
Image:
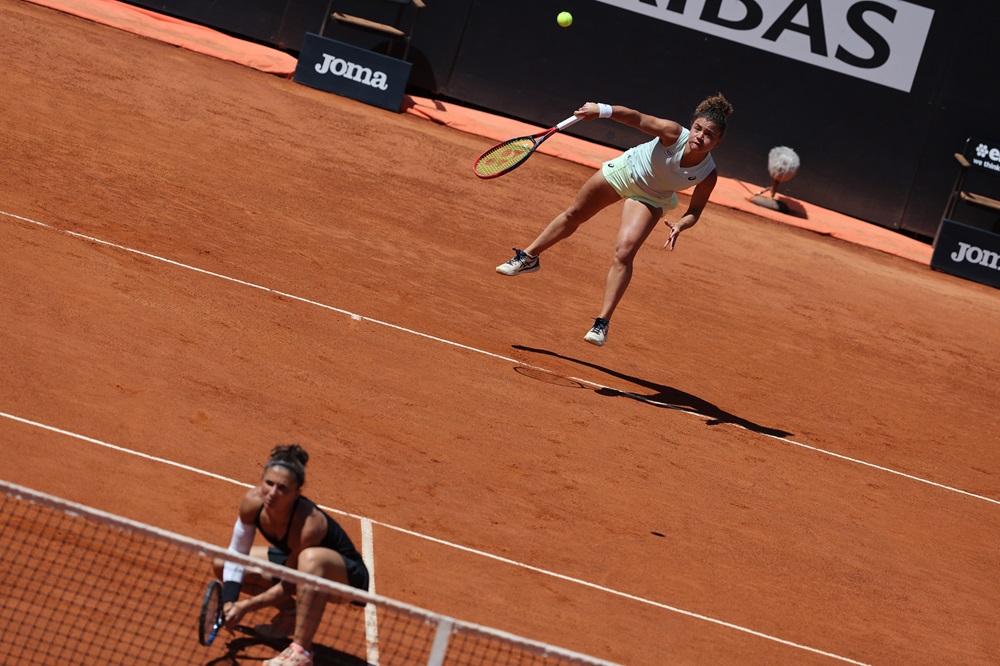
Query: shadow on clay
(665, 396)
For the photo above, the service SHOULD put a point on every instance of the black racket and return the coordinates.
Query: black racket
(212, 616)
(510, 154)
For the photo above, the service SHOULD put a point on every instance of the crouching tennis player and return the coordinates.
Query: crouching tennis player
(302, 537)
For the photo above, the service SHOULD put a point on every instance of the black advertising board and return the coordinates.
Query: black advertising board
(346, 70)
(874, 95)
(968, 252)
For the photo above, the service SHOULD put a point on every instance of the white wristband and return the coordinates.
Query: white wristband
(605, 110)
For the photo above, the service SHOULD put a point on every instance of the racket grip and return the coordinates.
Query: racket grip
(566, 123)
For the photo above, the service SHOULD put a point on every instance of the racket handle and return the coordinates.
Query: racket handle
(566, 123)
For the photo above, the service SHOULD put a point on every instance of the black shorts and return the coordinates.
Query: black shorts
(357, 572)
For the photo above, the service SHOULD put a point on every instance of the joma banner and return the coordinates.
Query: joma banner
(967, 252)
(357, 73)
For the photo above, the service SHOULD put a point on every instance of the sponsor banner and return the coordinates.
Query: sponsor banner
(983, 154)
(353, 72)
(876, 40)
(967, 252)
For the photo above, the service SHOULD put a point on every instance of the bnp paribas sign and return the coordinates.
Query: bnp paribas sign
(985, 155)
(876, 40)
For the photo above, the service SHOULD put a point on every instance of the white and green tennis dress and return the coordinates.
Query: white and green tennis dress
(652, 173)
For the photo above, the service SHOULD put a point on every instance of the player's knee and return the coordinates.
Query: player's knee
(624, 255)
(324, 563)
(308, 561)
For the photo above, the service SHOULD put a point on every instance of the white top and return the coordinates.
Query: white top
(657, 169)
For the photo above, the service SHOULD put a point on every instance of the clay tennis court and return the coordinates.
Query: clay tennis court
(786, 453)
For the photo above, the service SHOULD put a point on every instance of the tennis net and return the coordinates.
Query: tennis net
(87, 587)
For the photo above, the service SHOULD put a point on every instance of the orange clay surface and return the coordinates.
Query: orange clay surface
(786, 453)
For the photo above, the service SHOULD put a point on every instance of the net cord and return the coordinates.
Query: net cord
(268, 569)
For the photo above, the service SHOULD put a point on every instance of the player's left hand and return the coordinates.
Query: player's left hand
(674, 233)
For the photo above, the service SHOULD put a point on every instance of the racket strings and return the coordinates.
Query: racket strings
(504, 156)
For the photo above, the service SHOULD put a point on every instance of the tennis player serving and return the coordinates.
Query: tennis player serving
(648, 178)
(302, 537)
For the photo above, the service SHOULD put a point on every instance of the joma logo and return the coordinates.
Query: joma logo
(976, 255)
(363, 75)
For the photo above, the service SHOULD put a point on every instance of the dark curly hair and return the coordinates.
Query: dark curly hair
(715, 109)
(293, 458)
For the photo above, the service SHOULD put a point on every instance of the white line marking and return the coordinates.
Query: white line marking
(808, 447)
(498, 558)
(257, 286)
(371, 612)
(486, 353)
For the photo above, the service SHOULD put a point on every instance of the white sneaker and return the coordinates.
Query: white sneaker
(521, 263)
(598, 334)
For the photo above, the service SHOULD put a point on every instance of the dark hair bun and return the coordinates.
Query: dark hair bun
(290, 453)
(717, 103)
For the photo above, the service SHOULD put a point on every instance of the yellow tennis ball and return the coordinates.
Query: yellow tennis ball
(565, 19)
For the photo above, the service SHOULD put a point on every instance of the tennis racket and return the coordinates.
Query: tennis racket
(212, 616)
(507, 156)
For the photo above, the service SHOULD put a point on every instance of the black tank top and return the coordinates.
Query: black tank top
(336, 538)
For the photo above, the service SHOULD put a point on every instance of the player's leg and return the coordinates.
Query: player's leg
(595, 195)
(638, 221)
(325, 563)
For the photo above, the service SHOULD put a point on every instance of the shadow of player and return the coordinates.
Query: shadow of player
(666, 396)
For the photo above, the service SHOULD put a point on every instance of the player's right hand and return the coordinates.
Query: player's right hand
(234, 612)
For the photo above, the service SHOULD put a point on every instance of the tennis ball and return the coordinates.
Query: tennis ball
(565, 19)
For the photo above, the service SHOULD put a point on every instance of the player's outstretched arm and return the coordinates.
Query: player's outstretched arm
(699, 199)
(668, 130)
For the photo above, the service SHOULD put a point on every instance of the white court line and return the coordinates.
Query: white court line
(490, 354)
(371, 613)
(811, 448)
(372, 646)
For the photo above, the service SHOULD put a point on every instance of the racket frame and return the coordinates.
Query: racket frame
(536, 139)
(213, 594)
